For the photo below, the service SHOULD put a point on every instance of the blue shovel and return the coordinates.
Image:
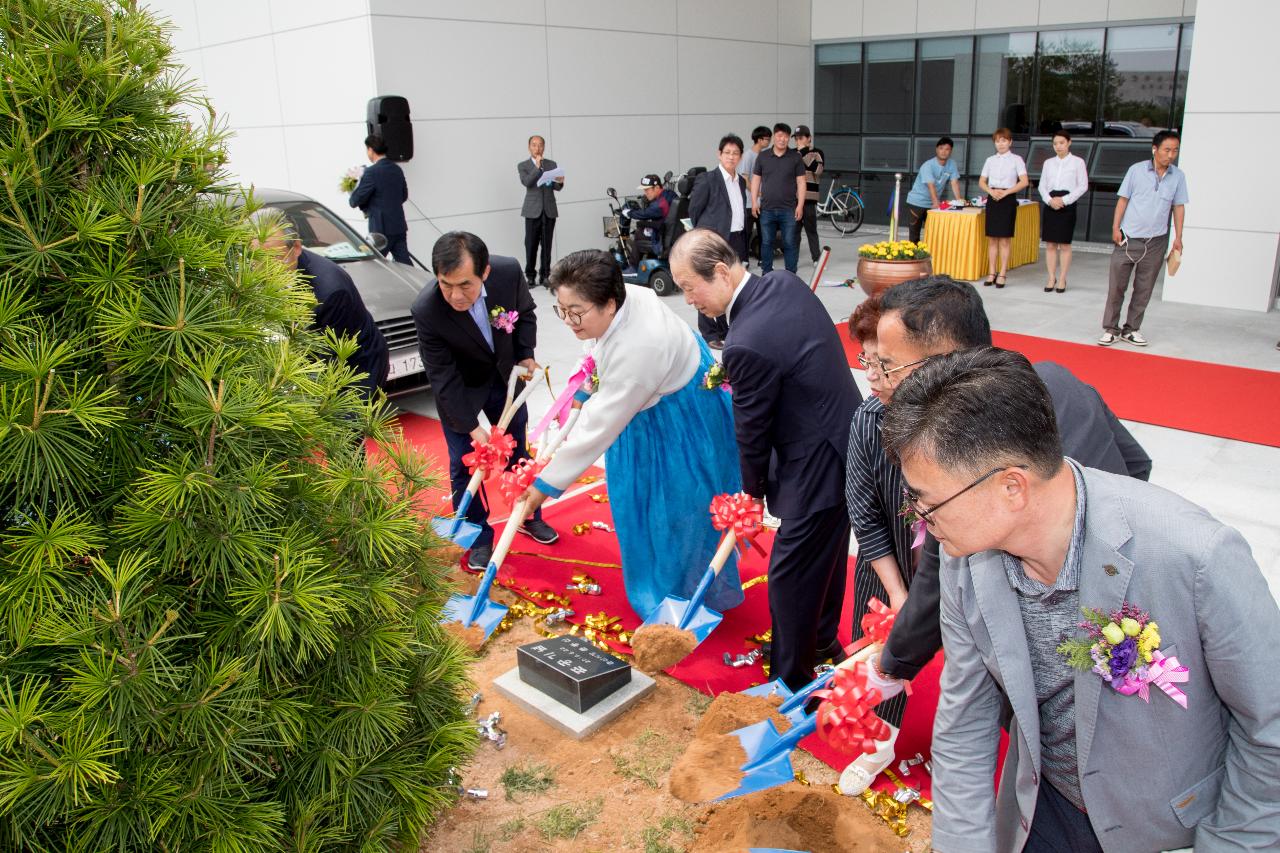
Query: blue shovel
(768, 755)
(690, 614)
(793, 703)
(478, 609)
(457, 529)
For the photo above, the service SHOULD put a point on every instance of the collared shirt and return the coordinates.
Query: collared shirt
(728, 309)
(1050, 615)
(479, 312)
(1003, 170)
(932, 172)
(1064, 173)
(1150, 198)
(737, 221)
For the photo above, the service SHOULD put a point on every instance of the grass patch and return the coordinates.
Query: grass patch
(527, 779)
(650, 756)
(510, 829)
(479, 843)
(698, 703)
(567, 820)
(658, 837)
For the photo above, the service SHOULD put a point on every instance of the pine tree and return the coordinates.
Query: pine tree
(218, 621)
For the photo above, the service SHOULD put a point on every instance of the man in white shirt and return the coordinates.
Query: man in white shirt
(720, 203)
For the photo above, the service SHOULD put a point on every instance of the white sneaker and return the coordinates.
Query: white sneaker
(864, 769)
(1106, 339)
(1135, 337)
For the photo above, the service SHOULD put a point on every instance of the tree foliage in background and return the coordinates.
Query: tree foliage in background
(218, 622)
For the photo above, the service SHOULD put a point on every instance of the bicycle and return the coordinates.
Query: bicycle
(843, 206)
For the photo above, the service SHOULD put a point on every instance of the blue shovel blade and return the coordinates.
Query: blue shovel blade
(777, 687)
(463, 537)
(672, 611)
(770, 772)
(458, 609)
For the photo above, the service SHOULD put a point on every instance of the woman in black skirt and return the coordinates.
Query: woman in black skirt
(1062, 182)
(1003, 176)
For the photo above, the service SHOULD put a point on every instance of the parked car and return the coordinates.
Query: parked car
(387, 288)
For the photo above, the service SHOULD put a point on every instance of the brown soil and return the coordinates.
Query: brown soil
(659, 647)
(620, 773)
(731, 711)
(709, 768)
(466, 582)
(471, 636)
(794, 817)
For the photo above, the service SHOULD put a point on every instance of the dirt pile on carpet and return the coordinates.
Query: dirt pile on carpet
(732, 711)
(710, 767)
(794, 817)
(659, 647)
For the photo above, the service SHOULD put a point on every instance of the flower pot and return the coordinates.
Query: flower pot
(874, 275)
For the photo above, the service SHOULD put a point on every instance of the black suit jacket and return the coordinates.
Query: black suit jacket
(1091, 435)
(709, 203)
(340, 308)
(381, 194)
(458, 362)
(793, 395)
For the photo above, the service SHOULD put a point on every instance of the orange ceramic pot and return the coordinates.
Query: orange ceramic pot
(875, 275)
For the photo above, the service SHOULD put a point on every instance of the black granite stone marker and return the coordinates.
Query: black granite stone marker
(572, 671)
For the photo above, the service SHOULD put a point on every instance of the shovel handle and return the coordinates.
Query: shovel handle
(863, 654)
(562, 434)
(513, 406)
(509, 532)
(722, 553)
(464, 502)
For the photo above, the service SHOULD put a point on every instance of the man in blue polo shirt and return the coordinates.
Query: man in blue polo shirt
(931, 184)
(1140, 230)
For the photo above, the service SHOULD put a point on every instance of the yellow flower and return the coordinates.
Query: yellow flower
(1148, 641)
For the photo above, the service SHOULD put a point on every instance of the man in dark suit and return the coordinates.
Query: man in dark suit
(921, 320)
(462, 318)
(539, 209)
(721, 202)
(339, 306)
(793, 398)
(381, 195)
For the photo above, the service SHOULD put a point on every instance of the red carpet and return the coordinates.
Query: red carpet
(533, 568)
(1211, 399)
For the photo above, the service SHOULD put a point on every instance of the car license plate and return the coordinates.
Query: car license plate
(405, 365)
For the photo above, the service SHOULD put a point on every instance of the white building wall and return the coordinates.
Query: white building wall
(618, 89)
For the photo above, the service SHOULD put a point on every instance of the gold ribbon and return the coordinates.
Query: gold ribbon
(755, 581)
(600, 499)
(571, 560)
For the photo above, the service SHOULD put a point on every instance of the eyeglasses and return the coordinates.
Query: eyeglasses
(926, 515)
(886, 372)
(866, 364)
(573, 317)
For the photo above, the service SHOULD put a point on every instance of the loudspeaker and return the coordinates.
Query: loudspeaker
(389, 118)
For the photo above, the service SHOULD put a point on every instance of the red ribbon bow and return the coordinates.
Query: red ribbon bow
(878, 621)
(516, 481)
(846, 718)
(493, 456)
(741, 512)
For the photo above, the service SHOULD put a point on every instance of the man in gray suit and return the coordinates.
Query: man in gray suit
(539, 209)
(1031, 538)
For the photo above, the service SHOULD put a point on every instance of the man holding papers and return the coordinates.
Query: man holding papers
(542, 179)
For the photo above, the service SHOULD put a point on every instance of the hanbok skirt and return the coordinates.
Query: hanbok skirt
(663, 471)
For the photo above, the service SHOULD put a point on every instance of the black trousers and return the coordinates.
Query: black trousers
(459, 444)
(538, 231)
(807, 573)
(915, 222)
(809, 221)
(717, 329)
(1058, 826)
(398, 248)
(917, 629)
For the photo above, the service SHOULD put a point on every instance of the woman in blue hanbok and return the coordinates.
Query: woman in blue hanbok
(668, 443)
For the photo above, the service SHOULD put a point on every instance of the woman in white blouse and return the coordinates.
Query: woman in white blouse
(1004, 175)
(1062, 182)
(668, 442)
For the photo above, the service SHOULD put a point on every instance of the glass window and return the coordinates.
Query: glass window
(1070, 73)
(1042, 150)
(840, 152)
(1113, 158)
(1141, 65)
(1004, 77)
(946, 80)
(886, 154)
(891, 71)
(324, 233)
(1184, 63)
(837, 88)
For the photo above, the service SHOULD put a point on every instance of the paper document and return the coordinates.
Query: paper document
(550, 176)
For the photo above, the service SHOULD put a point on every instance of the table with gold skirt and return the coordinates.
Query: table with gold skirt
(958, 243)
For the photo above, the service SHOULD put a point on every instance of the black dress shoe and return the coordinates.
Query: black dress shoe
(716, 344)
(539, 531)
(478, 557)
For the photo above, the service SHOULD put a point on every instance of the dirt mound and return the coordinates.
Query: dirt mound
(794, 817)
(471, 636)
(659, 647)
(732, 711)
(710, 767)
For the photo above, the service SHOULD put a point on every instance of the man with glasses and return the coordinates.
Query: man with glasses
(475, 325)
(1099, 758)
(921, 320)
